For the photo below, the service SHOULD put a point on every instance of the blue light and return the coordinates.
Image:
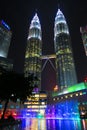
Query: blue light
(0, 106)
(64, 110)
(5, 25)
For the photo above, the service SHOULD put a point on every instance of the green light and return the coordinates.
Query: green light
(77, 87)
(74, 88)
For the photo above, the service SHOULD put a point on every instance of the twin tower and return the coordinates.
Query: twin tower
(65, 68)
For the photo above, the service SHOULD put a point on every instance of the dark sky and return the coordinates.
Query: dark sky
(19, 13)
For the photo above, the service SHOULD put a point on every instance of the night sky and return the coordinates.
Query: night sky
(18, 15)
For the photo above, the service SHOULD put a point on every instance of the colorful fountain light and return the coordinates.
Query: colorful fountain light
(64, 110)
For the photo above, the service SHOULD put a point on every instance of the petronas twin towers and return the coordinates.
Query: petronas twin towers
(65, 68)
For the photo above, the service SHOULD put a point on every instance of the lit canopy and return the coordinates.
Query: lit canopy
(71, 89)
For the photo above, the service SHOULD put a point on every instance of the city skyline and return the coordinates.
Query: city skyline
(19, 14)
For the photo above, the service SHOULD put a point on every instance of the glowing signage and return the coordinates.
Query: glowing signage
(5, 25)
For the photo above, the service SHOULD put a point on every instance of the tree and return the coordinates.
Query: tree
(15, 86)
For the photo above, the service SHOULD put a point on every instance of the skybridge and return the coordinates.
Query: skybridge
(48, 58)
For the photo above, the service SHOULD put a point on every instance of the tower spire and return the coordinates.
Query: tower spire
(36, 10)
(58, 1)
(58, 5)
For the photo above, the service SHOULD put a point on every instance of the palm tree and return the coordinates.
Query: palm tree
(12, 83)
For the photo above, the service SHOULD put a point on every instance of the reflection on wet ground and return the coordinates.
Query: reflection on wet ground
(49, 124)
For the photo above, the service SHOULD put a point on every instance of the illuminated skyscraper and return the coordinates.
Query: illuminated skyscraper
(83, 31)
(66, 74)
(34, 50)
(5, 39)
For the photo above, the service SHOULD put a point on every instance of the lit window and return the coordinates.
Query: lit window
(54, 99)
(37, 95)
(81, 93)
(71, 95)
(76, 94)
(66, 96)
(43, 103)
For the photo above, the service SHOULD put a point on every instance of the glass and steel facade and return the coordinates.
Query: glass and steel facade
(6, 64)
(83, 31)
(66, 74)
(34, 50)
(5, 39)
